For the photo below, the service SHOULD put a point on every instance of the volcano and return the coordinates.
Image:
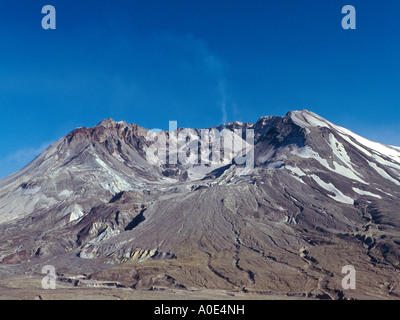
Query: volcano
(103, 205)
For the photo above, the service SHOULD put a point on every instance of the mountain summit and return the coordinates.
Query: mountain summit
(280, 208)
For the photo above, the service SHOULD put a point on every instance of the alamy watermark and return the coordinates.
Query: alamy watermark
(49, 281)
(49, 20)
(349, 20)
(349, 281)
(202, 148)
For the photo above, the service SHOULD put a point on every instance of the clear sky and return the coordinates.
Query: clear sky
(200, 62)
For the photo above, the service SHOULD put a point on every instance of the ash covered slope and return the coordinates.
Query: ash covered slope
(317, 191)
(88, 165)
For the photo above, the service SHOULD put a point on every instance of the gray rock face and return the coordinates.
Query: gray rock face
(95, 201)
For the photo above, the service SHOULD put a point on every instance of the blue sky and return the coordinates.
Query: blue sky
(199, 62)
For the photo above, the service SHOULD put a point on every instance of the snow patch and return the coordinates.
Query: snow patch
(307, 152)
(366, 193)
(118, 157)
(385, 192)
(338, 150)
(339, 196)
(307, 119)
(296, 170)
(391, 152)
(75, 211)
(66, 193)
(383, 173)
(118, 184)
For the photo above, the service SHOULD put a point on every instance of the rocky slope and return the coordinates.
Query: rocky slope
(319, 197)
